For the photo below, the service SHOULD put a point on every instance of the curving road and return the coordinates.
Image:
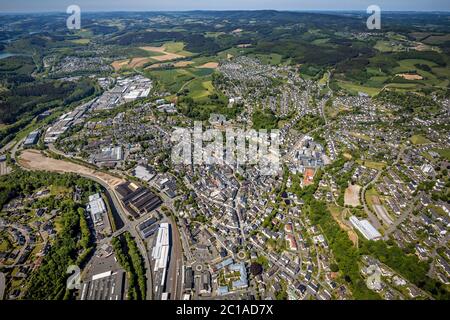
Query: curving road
(34, 160)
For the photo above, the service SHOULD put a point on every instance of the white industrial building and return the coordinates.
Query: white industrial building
(144, 173)
(97, 208)
(366, 228)
(110, 154)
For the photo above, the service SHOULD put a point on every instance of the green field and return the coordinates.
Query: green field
(272, 59)
(377, 81)
(437, 39)
(57, 190)
(369, 194)
(390, 67)
(198, 61)
(355, 88)
(233, 51)
(372, 164)
(445, 153)
(195, 81)
(172, 79)
(324, 79)
(84, 33)
(321, 41)
(5, 244)
(419, 139)
(199, 89)
(436, 77)
(81, 41)
(210, 34)
(385, 46)
(178, 48)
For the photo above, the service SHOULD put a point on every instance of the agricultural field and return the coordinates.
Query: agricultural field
(355, 88)
(419, 139)
(445, 153)
(196, 80)
(436, 39)
(388, 46)
(370, 195)
(372, 164)
(200, 89)
(81, 41)
(168, 51)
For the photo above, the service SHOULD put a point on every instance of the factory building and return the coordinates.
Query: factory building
(109, 155)
(108, 285)
(97, 208)
(31, 139)
(367, 230)
(148, 227)
(137, 200)
(161, 253)
(145, 173)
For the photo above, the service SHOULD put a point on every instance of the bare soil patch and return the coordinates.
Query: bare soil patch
(119, 64)
(35, 160)
(409, 76)
(209, 65)
(338, 217)
(351, 196)
(182, 64)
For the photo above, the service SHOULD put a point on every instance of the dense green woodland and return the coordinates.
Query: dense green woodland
(131, 260)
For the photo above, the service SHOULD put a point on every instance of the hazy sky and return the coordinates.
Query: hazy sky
(157, 5)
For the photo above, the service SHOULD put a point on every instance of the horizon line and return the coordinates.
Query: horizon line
(225, 10)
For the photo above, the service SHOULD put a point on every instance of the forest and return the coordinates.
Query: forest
(130, 259)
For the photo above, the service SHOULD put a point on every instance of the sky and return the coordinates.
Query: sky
(180, 5)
